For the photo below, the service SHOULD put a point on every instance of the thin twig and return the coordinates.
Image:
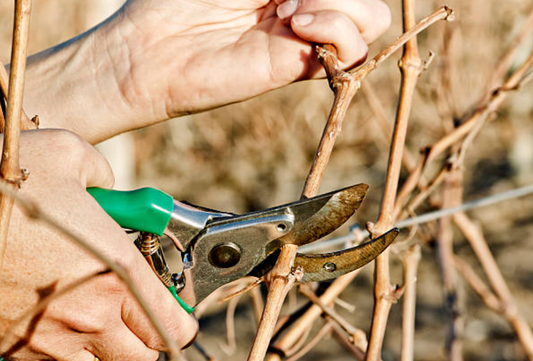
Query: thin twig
(341, 336)
(9, 166)
(477, 284)
(319, 336)
(471, 125)
(442, 13)
(344, 89)
(411, 66)
(506, 61)
(376, 105)
(328, 311)
(410, 261)
(345, 86)
(452, 195)
(424, 193)
(305, 322)
(282, 279)
(475, 237)
(231, 345)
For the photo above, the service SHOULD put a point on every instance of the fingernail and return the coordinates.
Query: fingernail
(302, 19)
(287, 8)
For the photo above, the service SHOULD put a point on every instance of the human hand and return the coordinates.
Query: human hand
(185, 56)
(158, 59)
(99, 317)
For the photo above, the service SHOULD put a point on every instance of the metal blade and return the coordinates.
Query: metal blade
(321, 267)
(337, 204)
(340, 207)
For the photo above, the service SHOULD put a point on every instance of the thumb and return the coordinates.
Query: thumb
(181, 326)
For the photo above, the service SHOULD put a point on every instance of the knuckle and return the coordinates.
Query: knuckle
(111, 285)
(78, 152)
(184, 331)
(337, 23)
(68, 141)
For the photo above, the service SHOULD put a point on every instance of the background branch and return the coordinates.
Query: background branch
(9, 167)
(411, 66)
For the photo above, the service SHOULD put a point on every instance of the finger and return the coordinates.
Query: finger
(372, 17)
(181, 326)
(98, 172)
(331, 27)
(117, 344)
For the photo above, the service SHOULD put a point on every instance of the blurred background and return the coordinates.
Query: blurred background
(256, 154)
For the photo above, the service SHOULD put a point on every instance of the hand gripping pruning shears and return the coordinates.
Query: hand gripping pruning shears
(218, 247)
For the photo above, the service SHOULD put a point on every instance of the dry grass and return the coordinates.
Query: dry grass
(257, 154)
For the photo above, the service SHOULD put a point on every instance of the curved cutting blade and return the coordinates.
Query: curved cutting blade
(321, 267)
(339, 208)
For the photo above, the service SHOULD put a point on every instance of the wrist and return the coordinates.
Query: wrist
(83, 85)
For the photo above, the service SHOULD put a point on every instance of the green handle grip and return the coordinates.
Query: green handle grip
(144, 209)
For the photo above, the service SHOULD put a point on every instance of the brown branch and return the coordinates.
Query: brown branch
(442, 13)
(410, 261)
(345, 85)
(282, 278)
(411, 66)
(471, 125)
(344, 88)
(376, 105)
(9, 166)
(506, 61)
(231, 345)
(475, 237)
(319, 336)
(497, 98)
(306, 321)
(341, 336)
(422, 196)
(328, 311)
(477, 284)
(452, 196)
(34, 212)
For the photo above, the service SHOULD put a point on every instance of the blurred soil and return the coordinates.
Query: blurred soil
(256, 154)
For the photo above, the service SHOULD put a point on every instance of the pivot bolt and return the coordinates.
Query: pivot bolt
(225, 255)
(330, 266)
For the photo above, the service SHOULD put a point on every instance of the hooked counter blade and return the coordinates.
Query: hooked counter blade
(321, 267)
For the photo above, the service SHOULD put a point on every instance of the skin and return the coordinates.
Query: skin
(209, 53)
(127, 73)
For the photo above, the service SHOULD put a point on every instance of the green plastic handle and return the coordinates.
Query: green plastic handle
(144, 209)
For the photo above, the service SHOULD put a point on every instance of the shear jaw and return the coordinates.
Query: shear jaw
(225, 247)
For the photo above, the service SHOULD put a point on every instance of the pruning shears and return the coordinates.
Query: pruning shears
(219, 247)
